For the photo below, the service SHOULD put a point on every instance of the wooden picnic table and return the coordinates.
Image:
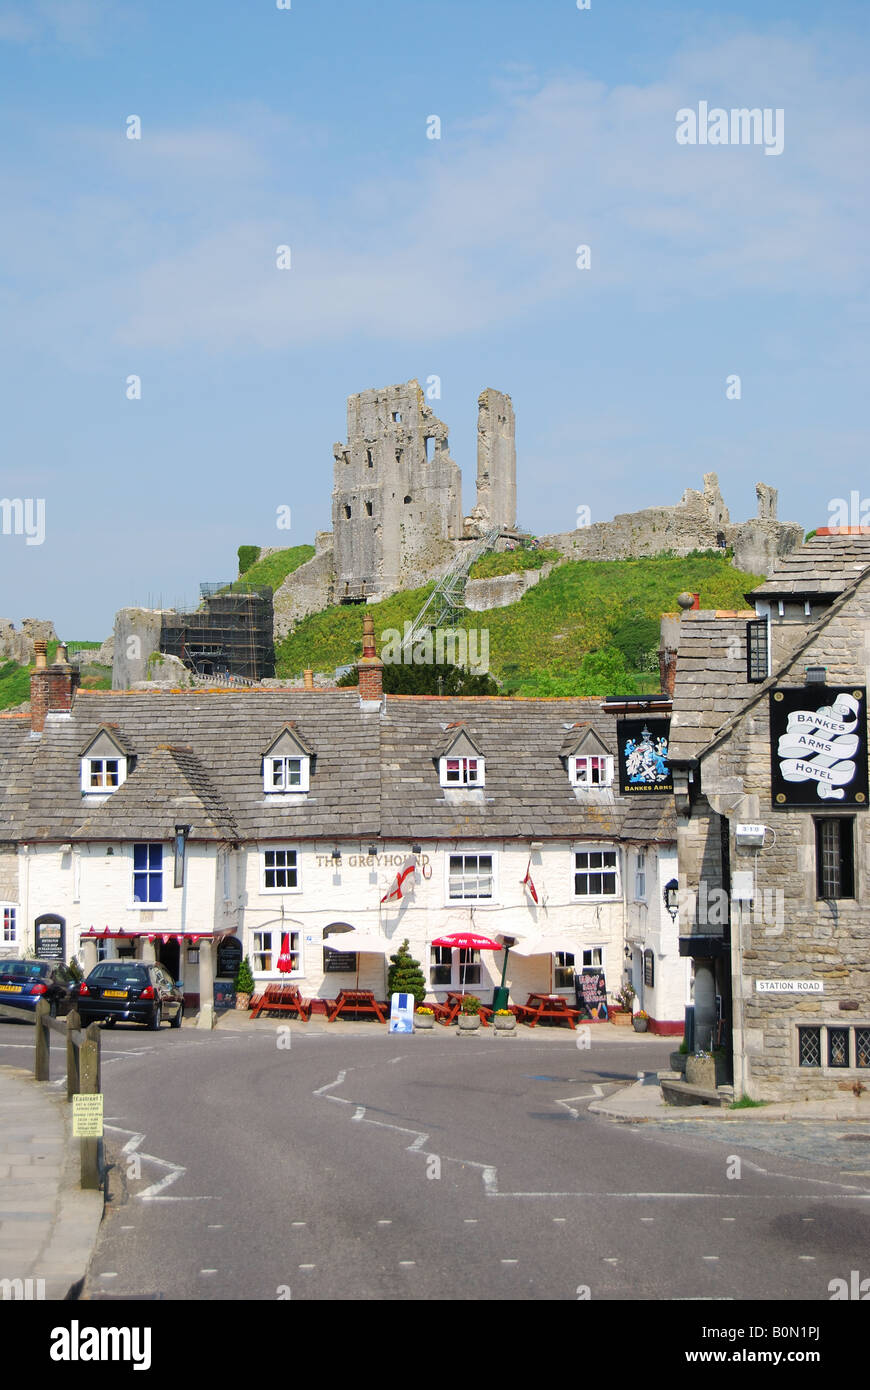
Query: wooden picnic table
(351, 1001)
(540, 1006)
(281, 999)
(449, 1011)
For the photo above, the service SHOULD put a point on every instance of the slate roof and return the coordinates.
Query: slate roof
(824, 565)
(376, 773)
(711, 682)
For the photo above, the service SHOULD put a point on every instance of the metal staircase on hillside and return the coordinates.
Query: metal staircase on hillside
(445, 603)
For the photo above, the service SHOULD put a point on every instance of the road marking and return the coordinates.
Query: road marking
(470, 1220)
(308, 1266)
(298, 1223)
(176, 1170)
(215, 1228)
(806, 1257)
(560, 1220)
(113, 1275)
(407, 1263)
(208, 1271)
(652, 1218)
(597, 1094)
(610, 1260)
(734, 1218)
(709, 1257)
(385, 1222)
(510, 1262)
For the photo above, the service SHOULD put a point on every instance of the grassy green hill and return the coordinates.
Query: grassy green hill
(274, 569)
(15, 679)
(590, 628)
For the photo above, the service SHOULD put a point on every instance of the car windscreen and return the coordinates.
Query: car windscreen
(118, 973)
(22, 969)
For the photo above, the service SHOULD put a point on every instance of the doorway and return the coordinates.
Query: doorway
(169, 956)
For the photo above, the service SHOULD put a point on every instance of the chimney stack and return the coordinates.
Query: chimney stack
(308, 679)
(52, 688)
(370, 666)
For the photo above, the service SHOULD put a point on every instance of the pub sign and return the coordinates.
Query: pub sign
(818, 746)
(50, 938)
(643, 756)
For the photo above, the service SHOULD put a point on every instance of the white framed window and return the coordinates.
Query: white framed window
(462, 772)
(148, 874)
(280, 871)
(470, 877)
(9, 915)
(563, 969)
(596, 872)
(103, 775)
(286, 774)
(267, 948)
(453, 968)
(592, 956)
(591, 770)
(640, 876)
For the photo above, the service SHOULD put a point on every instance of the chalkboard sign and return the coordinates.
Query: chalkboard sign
(229, 957)
(50, 933)
(224, 994)
(591, 989)
(334, 961)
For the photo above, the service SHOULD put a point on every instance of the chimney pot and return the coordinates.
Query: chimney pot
(308, 678)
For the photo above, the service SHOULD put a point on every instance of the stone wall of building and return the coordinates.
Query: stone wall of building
(788, 933)
(496, 462)
(308, 589)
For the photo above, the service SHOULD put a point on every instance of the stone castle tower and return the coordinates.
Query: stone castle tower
(397, 495)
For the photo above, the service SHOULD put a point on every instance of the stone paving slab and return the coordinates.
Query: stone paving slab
(48, 1225)
(642, 1102)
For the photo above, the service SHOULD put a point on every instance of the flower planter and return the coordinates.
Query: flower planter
(469, 1023)
(677, 1061)
(504, 1024)
(640, 1025)
(620, 1018)
(243, 1001)
(424, 1021)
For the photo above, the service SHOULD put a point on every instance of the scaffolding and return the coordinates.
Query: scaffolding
(229, 636)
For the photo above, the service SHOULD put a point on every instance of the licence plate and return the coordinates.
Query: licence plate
(11, 989)
(114, 994)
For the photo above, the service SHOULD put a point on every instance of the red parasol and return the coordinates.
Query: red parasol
(467, 941)
(285, 960)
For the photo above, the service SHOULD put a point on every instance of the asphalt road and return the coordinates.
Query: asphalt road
(359, 1166)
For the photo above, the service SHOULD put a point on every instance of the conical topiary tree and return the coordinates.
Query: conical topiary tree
(245, 978)
(405, 975)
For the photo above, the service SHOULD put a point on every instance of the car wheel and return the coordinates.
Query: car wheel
(110, 1022)
(176, 1022)
(156, 1019)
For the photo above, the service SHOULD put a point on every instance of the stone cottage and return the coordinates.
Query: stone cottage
(769, 759)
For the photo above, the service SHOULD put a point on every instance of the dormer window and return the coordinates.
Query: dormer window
(287, 774)
(105, 762)
(591, 770)
(462, 772)
(461, 763)
(287, 763)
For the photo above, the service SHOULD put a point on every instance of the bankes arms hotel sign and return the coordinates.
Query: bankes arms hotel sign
(818, 746)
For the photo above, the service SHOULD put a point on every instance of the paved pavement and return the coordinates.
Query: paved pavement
(48, 1225)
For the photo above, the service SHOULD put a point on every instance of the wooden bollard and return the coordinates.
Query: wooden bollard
(41, 1050)
(89, 1084)
(73, 1025)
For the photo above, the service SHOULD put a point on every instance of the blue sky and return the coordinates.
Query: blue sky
(411, 258)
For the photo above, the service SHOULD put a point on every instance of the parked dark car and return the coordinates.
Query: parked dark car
(133, 991)
(24, 982)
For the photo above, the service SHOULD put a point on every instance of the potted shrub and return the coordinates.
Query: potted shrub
(621, 1015)
(244, 985)
(469, 1014)
(405, 976)
(640, 1021)
(503, 1021)
(424, 1018)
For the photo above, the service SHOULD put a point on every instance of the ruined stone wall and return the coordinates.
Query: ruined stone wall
(397, 496)
(18, 646)
(699, 521)
(503, 589)
(788, 933)
(496, 461)
(308, 589)
(136, 636)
